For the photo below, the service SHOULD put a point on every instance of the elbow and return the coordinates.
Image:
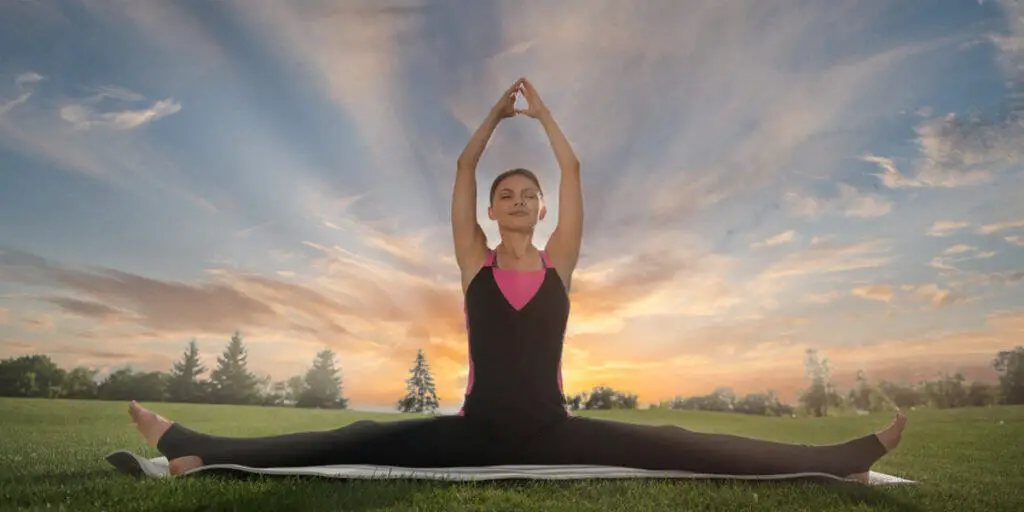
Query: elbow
(572, 165)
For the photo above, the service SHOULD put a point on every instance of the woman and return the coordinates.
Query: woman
(517, 307)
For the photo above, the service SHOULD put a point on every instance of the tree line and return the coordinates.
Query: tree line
(822, 395)
(231, 382)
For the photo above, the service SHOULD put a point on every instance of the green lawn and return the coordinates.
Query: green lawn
(51, 458)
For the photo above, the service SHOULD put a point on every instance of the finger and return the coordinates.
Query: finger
(517, 85)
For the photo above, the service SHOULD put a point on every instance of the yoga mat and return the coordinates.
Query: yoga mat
(130, 463)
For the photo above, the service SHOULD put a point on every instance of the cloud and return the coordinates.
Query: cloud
(880, 292)
(935, 295)
(947, 227)
(116, 155)
(961, 248)
(5, 314)
(29, 77)
(962, 151)
(822, 298)
(83, 116)
(779, 239)
(989, 229)
(849, 202)
(957, 254)
(1015, 240)
(22, 80)
(84, 308)
(831, 258)
(174, 307)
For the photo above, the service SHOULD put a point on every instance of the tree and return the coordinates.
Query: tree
(35, 376)
(817, 397)
(183, 385)
(231, 381)
(575, 402)
(946, 392)
(861, 396)
(296, 386)
(127, 384)
(1010, 365)
(980, 394)
(604, 397)
(323, 384)
(422, 395)
(900, 396)
(80, 382)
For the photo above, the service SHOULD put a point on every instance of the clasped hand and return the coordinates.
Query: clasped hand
(506, 105)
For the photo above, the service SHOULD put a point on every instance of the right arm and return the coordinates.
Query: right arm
(469, 237)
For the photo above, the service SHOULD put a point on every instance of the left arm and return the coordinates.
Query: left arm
(564, 245)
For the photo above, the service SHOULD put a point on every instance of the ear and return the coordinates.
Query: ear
(490, 212)
(543, 210)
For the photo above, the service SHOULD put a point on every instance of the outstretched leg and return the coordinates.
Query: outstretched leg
(421, 442)
(581, 440)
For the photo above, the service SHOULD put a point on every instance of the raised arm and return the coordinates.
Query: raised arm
(563, 246)
(470, 241)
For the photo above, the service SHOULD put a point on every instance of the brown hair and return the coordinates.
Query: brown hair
(512, 172)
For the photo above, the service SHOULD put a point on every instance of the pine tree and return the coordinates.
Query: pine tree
(422, 397)
(322, 385)
(183, 385)
(232, 382)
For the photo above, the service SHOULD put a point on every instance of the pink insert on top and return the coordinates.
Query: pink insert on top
(518, 287)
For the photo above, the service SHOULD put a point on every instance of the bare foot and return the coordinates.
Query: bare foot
(150, 424)
(890, 437)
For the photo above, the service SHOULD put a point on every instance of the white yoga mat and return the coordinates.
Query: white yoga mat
(128, 462)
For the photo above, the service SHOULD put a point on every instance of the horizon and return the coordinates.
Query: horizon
(758, 180)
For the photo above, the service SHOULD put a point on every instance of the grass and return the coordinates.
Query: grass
(51, 458)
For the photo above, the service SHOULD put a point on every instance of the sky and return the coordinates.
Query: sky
(760, 178)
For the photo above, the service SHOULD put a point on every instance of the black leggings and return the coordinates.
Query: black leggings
(452, 441)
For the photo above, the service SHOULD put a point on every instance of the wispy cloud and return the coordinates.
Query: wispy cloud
(957, 254)
(849, 202)
(779, 239)
(85, 116)
(830, 258)
(947, 227)
(879, 292)
(988, 229)
(23, 81)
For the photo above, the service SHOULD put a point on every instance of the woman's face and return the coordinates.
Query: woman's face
(517, 203)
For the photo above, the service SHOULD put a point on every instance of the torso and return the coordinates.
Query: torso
(516, 321)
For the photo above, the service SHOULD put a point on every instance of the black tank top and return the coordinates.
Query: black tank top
(515, 355)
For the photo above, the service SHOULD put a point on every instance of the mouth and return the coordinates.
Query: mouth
(518, 214)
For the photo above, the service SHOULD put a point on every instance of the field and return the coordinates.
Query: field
(51, 458)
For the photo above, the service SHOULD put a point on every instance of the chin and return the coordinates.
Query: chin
(518, 223)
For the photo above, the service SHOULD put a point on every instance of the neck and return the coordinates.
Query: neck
(516, 242)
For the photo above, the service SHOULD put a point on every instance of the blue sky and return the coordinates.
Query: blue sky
(760, 177)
